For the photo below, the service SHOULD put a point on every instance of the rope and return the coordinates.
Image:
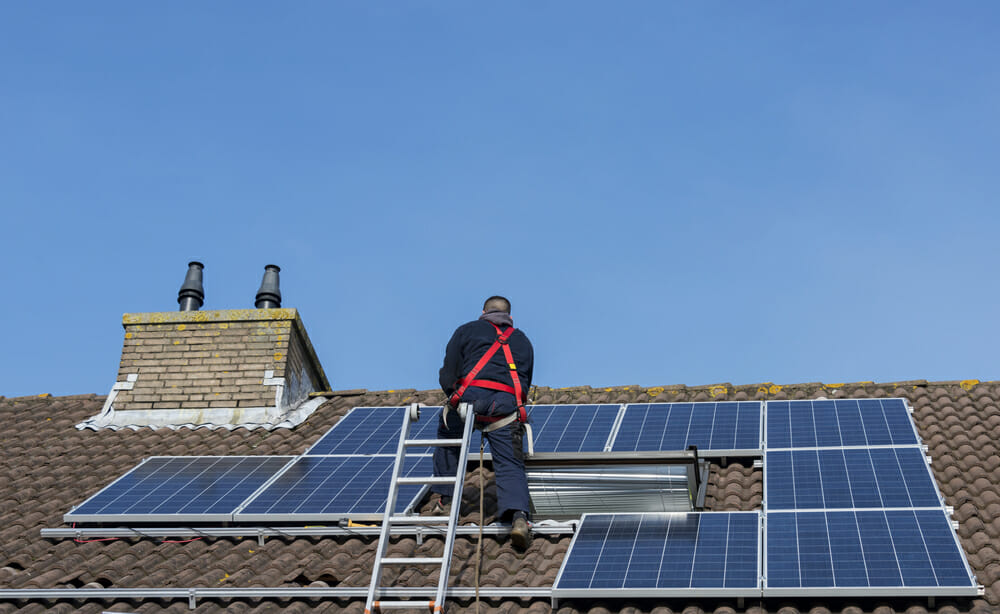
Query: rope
(479, 544)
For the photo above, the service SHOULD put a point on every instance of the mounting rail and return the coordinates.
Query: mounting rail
(542, 528)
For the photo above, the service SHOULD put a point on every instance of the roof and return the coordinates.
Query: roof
(48, 466)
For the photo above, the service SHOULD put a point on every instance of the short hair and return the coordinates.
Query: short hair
(497, 303)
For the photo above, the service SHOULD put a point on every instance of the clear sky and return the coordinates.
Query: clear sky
(669, 193)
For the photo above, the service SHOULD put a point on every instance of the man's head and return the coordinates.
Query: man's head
(496, 303)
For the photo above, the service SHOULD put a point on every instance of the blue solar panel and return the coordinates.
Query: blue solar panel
(848, 478)
(713, 427)
(885, 552)
(555, 428)
(838, 423)
(179, 488)
(317, 488)
(572, 428)
(637, 555)
(374, 430)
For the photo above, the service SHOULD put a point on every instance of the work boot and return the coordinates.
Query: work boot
(520, 535)
(441, 506)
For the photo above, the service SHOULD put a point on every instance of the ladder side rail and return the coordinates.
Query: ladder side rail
(456, 504)
(390, 507)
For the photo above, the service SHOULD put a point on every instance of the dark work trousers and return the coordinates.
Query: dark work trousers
(505, 446)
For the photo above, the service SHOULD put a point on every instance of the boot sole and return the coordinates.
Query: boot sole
(520, 539)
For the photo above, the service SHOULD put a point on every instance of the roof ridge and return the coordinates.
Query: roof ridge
(965, 383)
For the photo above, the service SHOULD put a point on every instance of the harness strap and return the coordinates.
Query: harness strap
(519, 393)
(465, 382)
(485, 383)
(470, 378)
(491, 423)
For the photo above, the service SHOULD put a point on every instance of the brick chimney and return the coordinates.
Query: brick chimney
(252, 368)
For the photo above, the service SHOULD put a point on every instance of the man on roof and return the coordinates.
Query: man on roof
(488, 364)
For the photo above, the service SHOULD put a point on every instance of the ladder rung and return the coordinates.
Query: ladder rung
(418, 519)
(400, 605)
(432, 442)
(427, 480)
(413, 560)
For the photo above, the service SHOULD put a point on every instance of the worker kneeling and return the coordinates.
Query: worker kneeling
(488, 364)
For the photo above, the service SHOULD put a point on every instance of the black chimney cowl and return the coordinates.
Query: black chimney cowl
(192, 295)
(269, 296)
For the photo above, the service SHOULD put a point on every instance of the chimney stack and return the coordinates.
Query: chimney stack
(192, 295)
(222, 368)
(269, 296)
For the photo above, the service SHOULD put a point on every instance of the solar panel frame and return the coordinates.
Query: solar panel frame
(847, 426)
(946, 544)
(913, 487)
(560, 589)
(628, 438)
(185, 499)
(279, 494)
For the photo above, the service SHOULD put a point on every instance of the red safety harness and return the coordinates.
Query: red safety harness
(470, 378)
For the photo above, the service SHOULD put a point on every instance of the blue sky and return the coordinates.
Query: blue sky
(669, 193)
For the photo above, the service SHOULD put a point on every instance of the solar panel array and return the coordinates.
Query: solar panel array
(717, 429)
(851, 506)
(180, 488)
(341, 475)
(659, 554)
(555, 428)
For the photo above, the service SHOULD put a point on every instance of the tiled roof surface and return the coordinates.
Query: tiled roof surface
(48, 466)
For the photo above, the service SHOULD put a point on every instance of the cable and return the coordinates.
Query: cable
(90, 541)
(479, 544)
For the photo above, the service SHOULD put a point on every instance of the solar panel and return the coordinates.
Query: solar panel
(179, 488)
(838, 423)
(662, 554)
(322, 488)
(884, 552)
(374, 430)
(555, 428)
(719, 429)
(848, 478)
(572, 428)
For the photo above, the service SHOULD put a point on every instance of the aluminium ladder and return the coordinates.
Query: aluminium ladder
(390, 519)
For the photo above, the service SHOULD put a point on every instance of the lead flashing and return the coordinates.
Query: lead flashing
(228, 418)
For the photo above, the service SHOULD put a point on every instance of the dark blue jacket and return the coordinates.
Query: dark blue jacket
(469, 344)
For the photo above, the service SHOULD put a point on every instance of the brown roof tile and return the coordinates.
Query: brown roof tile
(47, 466)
